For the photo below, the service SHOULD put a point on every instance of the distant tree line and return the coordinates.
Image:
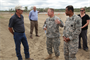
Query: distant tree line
(45, 9)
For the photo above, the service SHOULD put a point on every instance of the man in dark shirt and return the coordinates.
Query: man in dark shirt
(83, 34)
(16, 27)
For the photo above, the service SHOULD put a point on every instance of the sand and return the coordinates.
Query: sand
(37, 45)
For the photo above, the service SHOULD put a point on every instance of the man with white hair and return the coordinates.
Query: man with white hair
(16, 27)
(33, 17)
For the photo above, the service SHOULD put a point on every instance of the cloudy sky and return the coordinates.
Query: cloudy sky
(57, 4)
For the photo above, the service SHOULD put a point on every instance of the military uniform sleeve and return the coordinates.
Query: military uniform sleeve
(61, 24)
(44, 26)
(64, 32)
(77, 31)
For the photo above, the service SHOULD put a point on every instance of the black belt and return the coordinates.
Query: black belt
(33, 20)
(19, 32)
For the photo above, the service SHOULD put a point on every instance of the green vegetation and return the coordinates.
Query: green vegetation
(1, 17)
(45, 9)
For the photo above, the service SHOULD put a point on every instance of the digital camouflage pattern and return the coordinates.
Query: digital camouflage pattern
(53, 34)
(52, 27)
(55, 43)
(72, 30)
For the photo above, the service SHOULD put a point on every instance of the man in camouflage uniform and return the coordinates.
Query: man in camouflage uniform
(71, 33)
(52, 24)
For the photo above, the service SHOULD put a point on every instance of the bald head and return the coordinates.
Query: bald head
(34, 8)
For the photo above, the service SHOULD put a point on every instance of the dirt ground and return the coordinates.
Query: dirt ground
(37, 45)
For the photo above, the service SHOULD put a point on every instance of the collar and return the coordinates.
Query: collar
(52, 17)
(34, 11)
(17, 16)
(72, 18)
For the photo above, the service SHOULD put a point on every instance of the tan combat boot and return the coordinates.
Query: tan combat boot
(29, 59)
(49, 57)
(57, 57)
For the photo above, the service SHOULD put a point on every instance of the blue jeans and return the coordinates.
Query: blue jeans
(18, 38)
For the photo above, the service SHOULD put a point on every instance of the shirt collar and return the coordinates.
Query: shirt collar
(52, 17)
(17, 16)
(72, 18)
(34, 11)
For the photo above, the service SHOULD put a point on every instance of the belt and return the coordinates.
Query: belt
(33, 20)
(19, 32)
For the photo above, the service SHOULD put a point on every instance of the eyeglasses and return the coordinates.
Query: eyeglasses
(82, 10)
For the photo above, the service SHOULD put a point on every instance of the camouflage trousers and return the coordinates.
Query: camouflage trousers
(70, 49)
(53, 43)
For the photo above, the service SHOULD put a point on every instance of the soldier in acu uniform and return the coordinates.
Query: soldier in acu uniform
(71, 32)
(52, 24)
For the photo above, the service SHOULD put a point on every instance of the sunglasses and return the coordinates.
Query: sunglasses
(81, 10)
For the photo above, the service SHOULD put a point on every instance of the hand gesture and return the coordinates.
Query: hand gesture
(57, 21)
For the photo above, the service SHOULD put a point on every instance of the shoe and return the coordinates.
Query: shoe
(86, 50)
(37, 36)
(29, 59)
(79, 48)
(57, 57)
(49, 57)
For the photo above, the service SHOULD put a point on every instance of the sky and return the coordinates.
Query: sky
(57, 4)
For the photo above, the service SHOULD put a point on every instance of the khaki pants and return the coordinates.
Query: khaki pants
(32, 25)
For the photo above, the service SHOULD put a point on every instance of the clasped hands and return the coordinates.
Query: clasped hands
(66, 39)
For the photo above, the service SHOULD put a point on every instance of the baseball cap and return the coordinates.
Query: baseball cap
(19, 7)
